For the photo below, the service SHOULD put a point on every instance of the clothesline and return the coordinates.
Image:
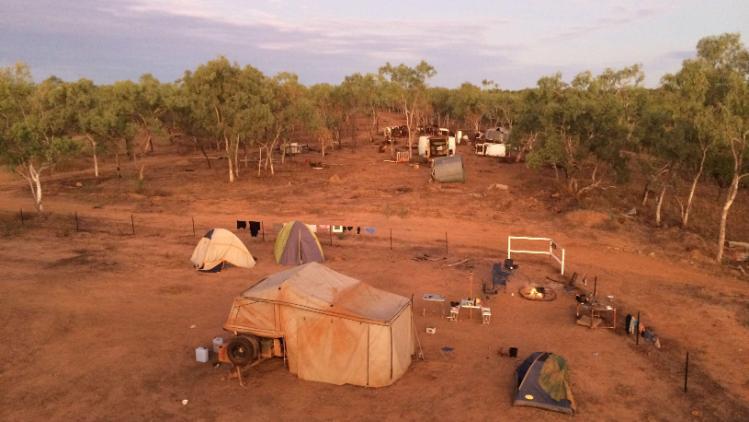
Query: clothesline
(255, 227)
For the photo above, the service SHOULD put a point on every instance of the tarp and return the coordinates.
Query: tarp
(297, 244)
(543, 381)
(219, 246)
(337, 329)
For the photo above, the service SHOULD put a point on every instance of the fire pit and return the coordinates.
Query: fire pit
(541, 293)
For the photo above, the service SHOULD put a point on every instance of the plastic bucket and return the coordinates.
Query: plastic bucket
(201, 354)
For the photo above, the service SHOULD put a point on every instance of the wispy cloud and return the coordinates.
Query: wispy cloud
(511, 42)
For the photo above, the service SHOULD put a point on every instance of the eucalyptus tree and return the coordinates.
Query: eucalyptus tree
(89, 117)
(725, 61)
(407, 87)
(34, 125)
(211, 92)
(577, 128)
(469, 103)
(327, 121)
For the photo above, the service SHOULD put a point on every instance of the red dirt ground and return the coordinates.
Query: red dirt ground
(96, 323)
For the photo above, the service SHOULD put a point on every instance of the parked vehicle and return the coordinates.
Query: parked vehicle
(490, 149)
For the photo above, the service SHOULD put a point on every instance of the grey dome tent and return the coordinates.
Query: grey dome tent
(543, 381)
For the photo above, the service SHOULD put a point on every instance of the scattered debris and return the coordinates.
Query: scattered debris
(336, 179)
(498, 186)
(511, 352)
(426, 257)
(184, 402)
(431, 330)
(462, 261)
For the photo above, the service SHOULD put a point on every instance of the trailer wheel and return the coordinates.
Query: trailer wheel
(243, 350)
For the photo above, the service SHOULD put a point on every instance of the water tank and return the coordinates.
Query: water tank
(448, 169)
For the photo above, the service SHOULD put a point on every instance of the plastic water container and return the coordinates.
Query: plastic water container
(201, 354)
(217, 343)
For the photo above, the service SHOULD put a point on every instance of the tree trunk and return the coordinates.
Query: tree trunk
(93, 153)
(259, 159)
(117, 163)
(236, 157)
(690, 198)
(229, 159)
(148, 145)
(409, 122)
(33, 177)
(732, 190)
(374, 128)
(645, 194)
(202, 150)
(659, 206)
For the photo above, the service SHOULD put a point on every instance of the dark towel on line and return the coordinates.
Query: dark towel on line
(254, 228)
(358, 230)
(241, 224)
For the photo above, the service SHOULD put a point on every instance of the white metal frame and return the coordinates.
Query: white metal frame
(552, 246)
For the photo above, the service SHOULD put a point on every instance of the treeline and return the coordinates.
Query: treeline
(692, 129)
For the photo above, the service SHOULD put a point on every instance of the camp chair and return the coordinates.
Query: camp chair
(454, 310)
(486, 315)
(488, 290)
(499, 276)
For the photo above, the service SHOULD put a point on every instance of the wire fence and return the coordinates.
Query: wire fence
(330, 233)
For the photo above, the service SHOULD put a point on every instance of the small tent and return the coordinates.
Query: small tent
(542, 380)
(219, 246)
(335, 328)
(296, 244)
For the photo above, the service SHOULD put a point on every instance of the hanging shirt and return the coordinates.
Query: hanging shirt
(254, 228)
(370, 230)
(241, 225)
(337, 229)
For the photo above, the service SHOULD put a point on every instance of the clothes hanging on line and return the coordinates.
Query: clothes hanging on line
(337, 229)
(350, 228)
(312, 228)
(358, 230)
(322, 228)
(254, 228)
(241, 225)
(370, 230)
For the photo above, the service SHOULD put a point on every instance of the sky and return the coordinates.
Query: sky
(513, 43)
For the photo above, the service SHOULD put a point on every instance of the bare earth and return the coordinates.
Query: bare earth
(96, 324)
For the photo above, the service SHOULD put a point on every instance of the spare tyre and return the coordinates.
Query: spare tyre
(243, 350)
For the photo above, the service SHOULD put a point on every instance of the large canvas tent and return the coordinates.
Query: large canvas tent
(219, 246)
(336, 329)
(542, 380)
(297, 244)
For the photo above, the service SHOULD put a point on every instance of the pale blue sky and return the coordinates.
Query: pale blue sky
(511, 42)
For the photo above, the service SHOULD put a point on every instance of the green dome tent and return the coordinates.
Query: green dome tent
(543, 380)
(296, 244)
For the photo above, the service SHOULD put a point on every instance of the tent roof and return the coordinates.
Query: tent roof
(543, 381)
(318, 288)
